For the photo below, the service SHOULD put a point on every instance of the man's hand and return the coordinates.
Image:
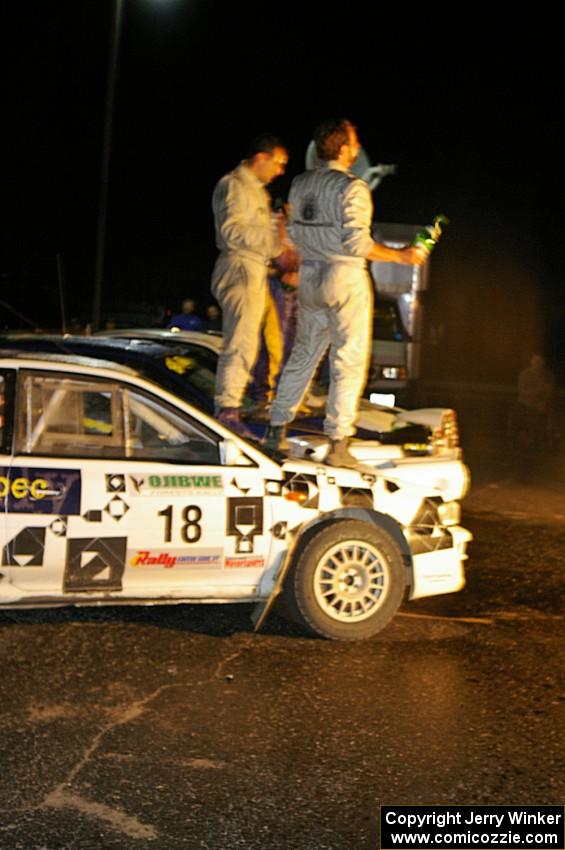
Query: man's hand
(404, 256)
(288, 261)
(414, 256)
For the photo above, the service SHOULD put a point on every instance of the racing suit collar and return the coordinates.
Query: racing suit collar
(336, 166)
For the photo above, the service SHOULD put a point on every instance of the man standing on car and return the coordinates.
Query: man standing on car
(247, 240)
(331, 216)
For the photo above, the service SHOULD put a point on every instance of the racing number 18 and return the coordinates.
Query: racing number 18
(191, 530)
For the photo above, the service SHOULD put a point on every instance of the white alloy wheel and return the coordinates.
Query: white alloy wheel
(347, 581)
(351, 581)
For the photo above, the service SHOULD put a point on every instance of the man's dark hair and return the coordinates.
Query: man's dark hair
(264, 144)
(330, 136)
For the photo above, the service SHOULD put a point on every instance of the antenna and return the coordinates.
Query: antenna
(371, 174)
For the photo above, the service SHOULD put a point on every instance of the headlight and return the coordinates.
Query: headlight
(391, 373)
(449, 513)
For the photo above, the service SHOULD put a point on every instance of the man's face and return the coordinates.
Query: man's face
(353, 146)
(269, 166)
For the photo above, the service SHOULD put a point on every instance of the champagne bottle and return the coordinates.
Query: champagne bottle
(426, 239)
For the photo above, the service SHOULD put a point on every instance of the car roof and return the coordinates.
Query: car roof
(68, 344)
(22, 357)
(210, 339)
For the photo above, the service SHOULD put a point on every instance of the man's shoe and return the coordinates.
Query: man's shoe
(275, 438)
(339, 455)
(260, 411)
(231, 418)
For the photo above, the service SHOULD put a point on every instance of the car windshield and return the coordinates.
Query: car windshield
(191, 368)
(387, 324)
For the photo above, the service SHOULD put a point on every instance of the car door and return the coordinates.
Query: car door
(115, 491)
(6, 381)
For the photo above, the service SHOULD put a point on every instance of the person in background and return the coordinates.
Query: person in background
(330, 223)
(186, 320)
(213, 320)
(247, 242)
(531, 418)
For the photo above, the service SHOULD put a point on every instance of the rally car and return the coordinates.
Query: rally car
(115, 490)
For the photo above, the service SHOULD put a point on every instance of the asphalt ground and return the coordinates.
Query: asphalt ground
(178, 728)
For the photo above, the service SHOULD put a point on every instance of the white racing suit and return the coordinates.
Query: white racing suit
(246, 241)
(331, 214)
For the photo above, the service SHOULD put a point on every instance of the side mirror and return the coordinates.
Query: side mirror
(231, 454)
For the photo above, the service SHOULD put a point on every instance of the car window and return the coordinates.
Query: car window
(2, 407)
(75, 417)
(155, 432)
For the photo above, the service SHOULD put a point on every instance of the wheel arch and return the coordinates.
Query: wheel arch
(384, 521)
(305, 532)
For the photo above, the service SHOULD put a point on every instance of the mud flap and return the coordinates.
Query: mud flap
(263, 609)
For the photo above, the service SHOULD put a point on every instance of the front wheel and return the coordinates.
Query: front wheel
(347, 582)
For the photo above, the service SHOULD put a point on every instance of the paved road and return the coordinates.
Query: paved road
(177, 727)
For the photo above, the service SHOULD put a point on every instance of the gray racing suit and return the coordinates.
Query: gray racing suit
(246, 241)
(331, 213)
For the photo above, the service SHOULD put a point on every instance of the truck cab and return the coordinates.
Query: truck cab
(398, 320)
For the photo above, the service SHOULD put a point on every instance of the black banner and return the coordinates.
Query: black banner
(476, 827)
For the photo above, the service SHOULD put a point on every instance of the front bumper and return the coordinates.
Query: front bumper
(441, 571)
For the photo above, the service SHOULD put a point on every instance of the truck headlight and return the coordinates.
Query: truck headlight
(391, 373)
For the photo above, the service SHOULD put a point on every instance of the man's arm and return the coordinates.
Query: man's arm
(358, 214)
(232, 209)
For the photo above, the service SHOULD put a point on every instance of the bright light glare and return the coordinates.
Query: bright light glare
(386, 399)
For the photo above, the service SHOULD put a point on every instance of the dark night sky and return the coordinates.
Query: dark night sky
(464, 107)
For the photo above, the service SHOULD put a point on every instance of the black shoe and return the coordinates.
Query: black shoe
(260, 411)
(275, 438)
(339, 455)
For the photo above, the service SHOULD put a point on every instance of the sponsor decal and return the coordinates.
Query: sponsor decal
(244, 561)
(309, 208)
(59, 526)
(245, 521)
(204, 559)
(115, 483)
(40, 491)
(94, 563)
(25, 549)
(279, 530)
(116, 508)
(273, 488)
(243, 490)
(175, 485)
(92, 516)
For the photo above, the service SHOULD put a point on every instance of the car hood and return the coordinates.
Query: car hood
(375, 417)
(445, 477)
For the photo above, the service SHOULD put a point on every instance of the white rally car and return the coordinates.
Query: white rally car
(114, 490)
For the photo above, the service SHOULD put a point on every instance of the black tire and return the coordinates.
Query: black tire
(347, 582)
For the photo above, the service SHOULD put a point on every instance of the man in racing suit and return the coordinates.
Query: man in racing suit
(247, 241)
(331, 215)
